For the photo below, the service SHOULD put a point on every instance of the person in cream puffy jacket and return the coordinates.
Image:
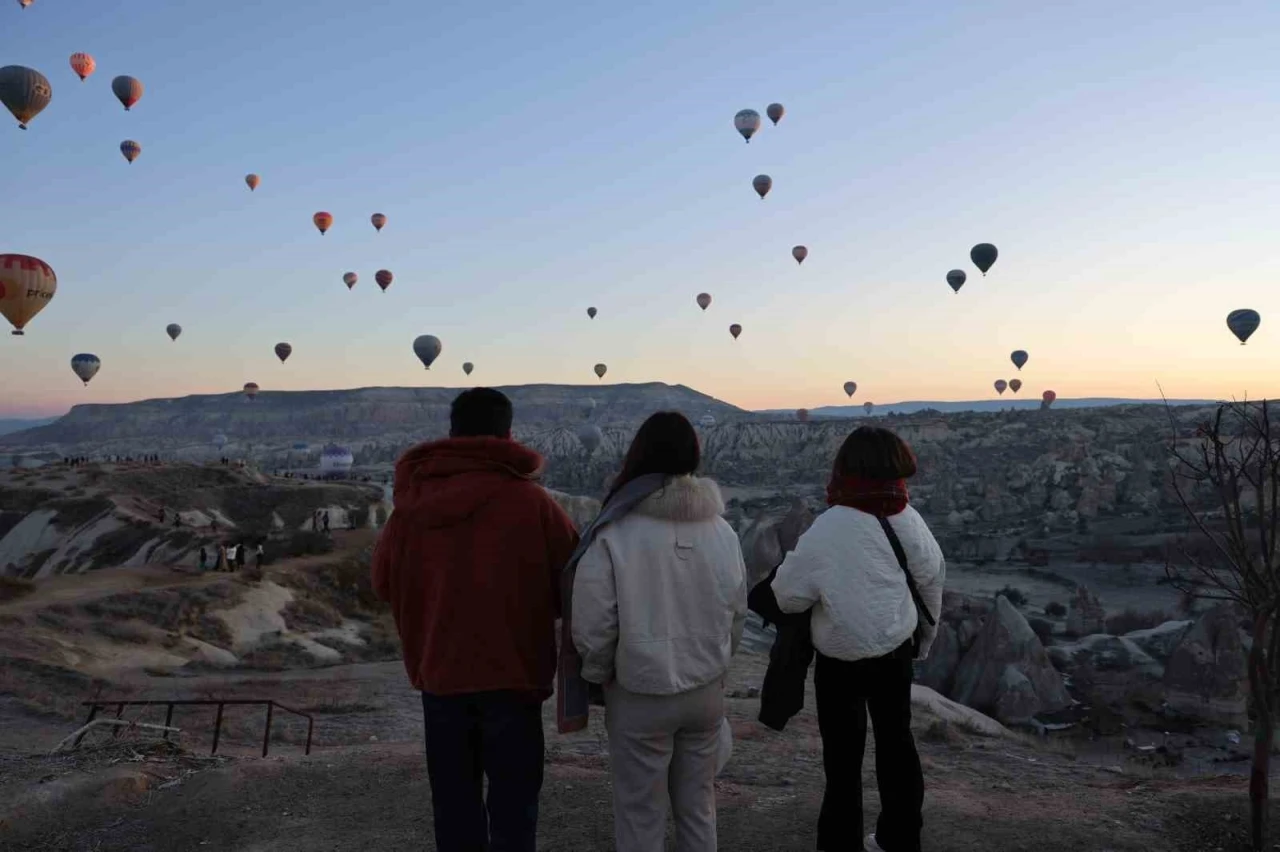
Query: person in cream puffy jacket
(863, 622)
(658, 607)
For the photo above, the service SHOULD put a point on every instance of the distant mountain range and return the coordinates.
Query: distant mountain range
(1006, 404)
(11, 425)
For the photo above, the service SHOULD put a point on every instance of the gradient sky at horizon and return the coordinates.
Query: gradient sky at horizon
(535, 160)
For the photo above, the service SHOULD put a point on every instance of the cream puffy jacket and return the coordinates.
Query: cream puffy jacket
(844, 567)
(660, 597)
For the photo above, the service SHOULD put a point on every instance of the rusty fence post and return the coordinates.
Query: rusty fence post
(93, 713)
(217, 728)
(266, 732)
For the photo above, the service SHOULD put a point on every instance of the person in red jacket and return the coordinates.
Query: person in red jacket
(470, 562)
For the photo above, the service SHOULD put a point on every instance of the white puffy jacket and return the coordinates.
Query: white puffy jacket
(660, 596)
(844, 567)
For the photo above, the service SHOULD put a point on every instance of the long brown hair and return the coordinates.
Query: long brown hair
(666, 443)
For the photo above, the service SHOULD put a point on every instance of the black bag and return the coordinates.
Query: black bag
(922, 612)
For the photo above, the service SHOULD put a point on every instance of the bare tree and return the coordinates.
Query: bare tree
(1227, 479)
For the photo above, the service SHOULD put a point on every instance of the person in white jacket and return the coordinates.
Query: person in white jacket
(658, 606)
(864, 627)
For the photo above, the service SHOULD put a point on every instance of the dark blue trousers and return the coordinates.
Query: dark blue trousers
(471, 737)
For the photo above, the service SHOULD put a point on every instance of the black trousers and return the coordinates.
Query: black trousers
(494, 735)
(846, 691)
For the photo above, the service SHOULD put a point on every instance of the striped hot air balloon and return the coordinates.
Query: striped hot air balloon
(383, 277)
(322, 221)
(131, 150)
(252, 181)
(85, 366)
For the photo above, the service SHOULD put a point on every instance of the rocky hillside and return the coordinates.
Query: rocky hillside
(65, 520)
(396, 416)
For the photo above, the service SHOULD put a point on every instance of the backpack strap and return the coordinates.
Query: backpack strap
(896, 544)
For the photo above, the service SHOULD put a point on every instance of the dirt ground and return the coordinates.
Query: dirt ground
(364, 784)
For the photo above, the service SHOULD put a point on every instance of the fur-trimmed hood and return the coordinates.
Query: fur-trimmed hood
(684, 498)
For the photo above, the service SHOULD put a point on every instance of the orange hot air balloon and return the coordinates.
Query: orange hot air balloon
(252, 181)
(735, 330)
(128, 90)
(350, 279)
(704, 300)
(83, 65)
(384, 278)
(130, 149)
(378, 220)
(26, 286)
(323, 220)
(25, 3)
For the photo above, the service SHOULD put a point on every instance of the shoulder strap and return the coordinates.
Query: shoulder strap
(896, 544)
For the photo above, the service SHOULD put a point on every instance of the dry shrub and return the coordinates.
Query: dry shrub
(12, 588)
(304, 614)
(278, 655)
(1130, 620)
(1055, 609)
(123, 631)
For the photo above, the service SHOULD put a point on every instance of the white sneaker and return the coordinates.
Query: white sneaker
(870, 845)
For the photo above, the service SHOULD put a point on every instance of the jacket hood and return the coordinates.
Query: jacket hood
(446, 481)
(684, 498)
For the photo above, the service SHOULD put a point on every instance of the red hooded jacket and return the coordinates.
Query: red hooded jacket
(470, 562)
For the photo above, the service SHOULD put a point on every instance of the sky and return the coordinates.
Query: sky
(537, 159)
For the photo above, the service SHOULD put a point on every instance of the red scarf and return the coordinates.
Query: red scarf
(879, 497)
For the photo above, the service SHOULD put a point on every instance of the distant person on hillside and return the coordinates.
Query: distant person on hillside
(257, 556)
(220, 564)
(326, 522)
(204, 558)
(470, 562)
(659, 603)
(232, 554)
(871, 573)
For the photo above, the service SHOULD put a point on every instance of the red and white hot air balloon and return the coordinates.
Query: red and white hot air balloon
(322, 221)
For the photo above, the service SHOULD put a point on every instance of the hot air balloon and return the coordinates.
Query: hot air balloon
(1243, 323)
(956, 279)
(590, 437)
(383, 277)
(252, 181)
(707, 420)
(85, 366)
(1019, 357)
(762, 184)
(173, 330)
(867, 406)
(735, 330)
(251, 390)
(747, 122)
(1015, 385)
(802, 414)
(427, 347)
(591, 313)
(799, 253)
(601, 369)
(588, 407)
(1001, 384)
(83, 65)
(219, 440)
(350, 279)
(26, 286)
(283, 351)
(983, 256)
(467, 367)
(25, 91)
(322, 221)
(850, 388)
(775, 113)
(378, 221)
(1048, 397)
(128, 90)
(25, 3)
(704, 300)
(130, 149)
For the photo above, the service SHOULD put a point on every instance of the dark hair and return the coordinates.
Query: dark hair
(480, 412)
(666, 443)
(871, 452)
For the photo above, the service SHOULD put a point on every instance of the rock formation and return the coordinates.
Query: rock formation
(1086, 615)
(1007, 672)
(1206, 676)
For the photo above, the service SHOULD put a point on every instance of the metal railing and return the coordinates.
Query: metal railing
(95, 706)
